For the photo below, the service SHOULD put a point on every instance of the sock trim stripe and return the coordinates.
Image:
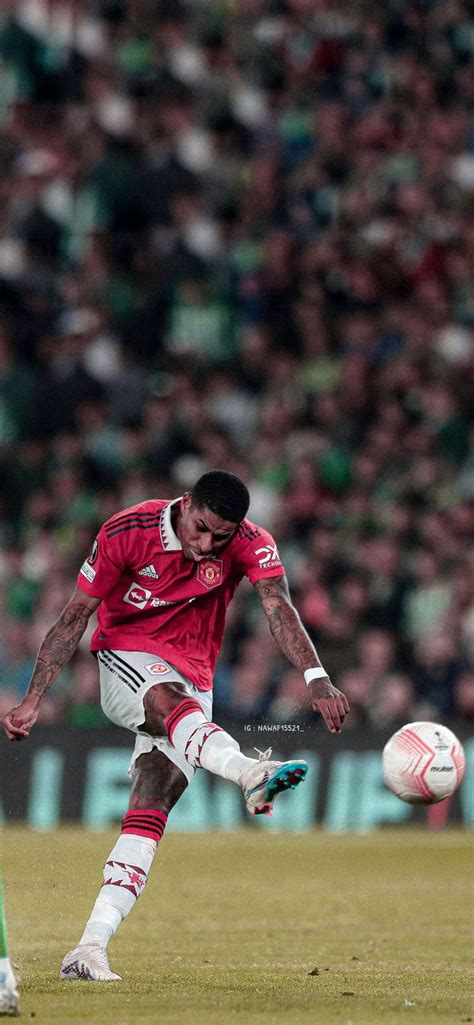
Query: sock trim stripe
(197, 760)
(142, 813)
(200, 727)
(144, 821)
(186, 707)
(191, 735)
(121, 864)
(146, 831)
(123, 886)
(144, 828)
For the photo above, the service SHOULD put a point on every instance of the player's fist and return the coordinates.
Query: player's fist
(18, 721)
(330, 702)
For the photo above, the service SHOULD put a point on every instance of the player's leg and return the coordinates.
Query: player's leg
(172, 711)
(157, 786)
(8, 990)
(172, 708)
(175, 710)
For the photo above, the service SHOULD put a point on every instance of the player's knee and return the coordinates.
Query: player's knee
(158, 702)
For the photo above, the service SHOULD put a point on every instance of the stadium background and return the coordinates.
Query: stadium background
(237, 235)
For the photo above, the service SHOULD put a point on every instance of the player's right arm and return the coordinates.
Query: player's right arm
(56, 649)
(96, 578)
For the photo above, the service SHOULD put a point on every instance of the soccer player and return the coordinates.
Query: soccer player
(8, 990)
(161, 575)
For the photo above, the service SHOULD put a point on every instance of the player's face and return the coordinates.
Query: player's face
(201, 532)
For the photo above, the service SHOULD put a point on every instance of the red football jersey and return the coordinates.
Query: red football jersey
(156, 600)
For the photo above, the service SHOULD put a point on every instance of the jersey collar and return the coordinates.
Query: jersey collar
(169, 539)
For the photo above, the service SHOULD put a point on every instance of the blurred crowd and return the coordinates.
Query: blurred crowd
(236, 233)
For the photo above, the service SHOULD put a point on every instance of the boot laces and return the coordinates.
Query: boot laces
(263, 756)
(100, 956)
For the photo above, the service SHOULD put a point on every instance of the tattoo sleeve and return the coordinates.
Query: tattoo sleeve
(285, 623)
(58, 647)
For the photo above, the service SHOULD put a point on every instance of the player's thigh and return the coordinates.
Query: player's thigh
(157, 782)
(158, 702)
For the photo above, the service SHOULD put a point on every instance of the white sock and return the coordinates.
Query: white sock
(7, 975)
(204, 744)
(125, 875)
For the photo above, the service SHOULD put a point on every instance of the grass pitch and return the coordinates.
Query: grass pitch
(251, 928)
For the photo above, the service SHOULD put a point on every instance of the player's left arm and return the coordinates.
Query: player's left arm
(287, 629)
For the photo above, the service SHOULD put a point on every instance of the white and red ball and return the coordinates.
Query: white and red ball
(423, 763)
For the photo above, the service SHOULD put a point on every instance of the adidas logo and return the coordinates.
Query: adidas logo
(258, 785)
(148, 571)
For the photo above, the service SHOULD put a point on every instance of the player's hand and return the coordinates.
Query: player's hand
(18, 721)
(330, 701)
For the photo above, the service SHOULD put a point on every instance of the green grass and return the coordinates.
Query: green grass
(231, 925)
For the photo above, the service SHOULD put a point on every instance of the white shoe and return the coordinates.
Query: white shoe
(264, 780)
(8, 990)
(88, 962)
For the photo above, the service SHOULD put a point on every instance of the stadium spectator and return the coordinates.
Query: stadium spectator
(394, 703)
(240, 237)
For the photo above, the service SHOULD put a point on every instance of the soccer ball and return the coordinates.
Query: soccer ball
(423, 763)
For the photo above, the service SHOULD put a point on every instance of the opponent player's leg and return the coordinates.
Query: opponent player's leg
(8, 990)
(170, 707)
(157, 786)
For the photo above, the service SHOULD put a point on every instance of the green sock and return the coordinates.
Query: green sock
(3, 925)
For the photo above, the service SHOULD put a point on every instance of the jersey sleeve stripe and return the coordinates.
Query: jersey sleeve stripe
(248, 533)
(117, 520)
(135, 518)
(134, 526)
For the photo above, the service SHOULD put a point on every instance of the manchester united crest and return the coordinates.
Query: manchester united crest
(209, 572)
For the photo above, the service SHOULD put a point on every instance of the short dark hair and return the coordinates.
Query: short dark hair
(223, 493)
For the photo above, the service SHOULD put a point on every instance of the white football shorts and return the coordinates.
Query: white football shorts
(125, 677)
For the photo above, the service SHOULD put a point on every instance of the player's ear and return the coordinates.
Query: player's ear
(185, 502)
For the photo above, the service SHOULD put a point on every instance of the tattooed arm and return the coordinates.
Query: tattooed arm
(291, 637)
(57, 648)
